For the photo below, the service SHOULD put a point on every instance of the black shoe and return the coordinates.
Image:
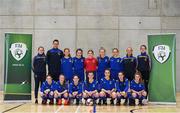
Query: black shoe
(140, 102)
(105, 102)
(131, 102)
(118, 102)
(51, 102)
(99, 102)
(36, 101)
(126, 101)
(77, 101)
(112, 102)
(44, 102)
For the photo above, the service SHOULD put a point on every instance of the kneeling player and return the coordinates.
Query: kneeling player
(122, 86)
(75, 90)
(47, 90)
(61, 92)
(90, 88)
(138, 93)
(107, 88)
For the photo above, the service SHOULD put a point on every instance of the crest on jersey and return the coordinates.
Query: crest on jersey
(161, 53)
(18, 50)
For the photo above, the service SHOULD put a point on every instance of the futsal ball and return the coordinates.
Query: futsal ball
(89, 102)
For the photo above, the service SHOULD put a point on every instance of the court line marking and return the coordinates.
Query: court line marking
(59, 109)
(77, 109)
(13, 108)
(132, 110)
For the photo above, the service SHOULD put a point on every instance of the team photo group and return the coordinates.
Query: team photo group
(92, 80)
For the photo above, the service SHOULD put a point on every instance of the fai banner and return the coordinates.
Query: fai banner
(162, 84)
(17, 69)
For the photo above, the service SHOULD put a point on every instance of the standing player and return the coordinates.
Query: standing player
(39, 69)
(90, 64)
(78, 64)
(144, 65)
(115, 64)
(61, 91)
(90, 89)
(107, 88)
(67, 65)
(103, 63)
(47, 90)
(122, 87)
(129, 64)
(54, 57)
(75, 90)
(138, 93)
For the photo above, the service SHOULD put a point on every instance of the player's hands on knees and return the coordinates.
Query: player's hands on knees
(47, 91)
(51, 93)
(109, 92)
(90, 93)
(123, 93)
(75, 93)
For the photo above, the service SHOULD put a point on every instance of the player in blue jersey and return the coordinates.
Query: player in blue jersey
(61, 91)
(75, 90)
(90, 89)
(115, 64)
(138, 93)
(47, 90)
(103, 63)
(67, 65)
(122, 87)
(107, 88)
(78, 64)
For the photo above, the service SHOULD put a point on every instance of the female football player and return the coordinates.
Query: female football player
(67, 65)
(78, 64)
(107, 88)
(103, 63)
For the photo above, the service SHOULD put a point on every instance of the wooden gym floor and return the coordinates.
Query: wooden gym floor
(33, 108)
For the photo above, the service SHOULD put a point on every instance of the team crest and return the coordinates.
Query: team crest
(18, 50)
(161, 53)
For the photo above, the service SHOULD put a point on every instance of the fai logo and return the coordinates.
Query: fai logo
(18, 50)
(161, 53)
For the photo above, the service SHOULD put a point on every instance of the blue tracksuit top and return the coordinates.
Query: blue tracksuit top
(122, 86)
(67, 68)
(136, 86)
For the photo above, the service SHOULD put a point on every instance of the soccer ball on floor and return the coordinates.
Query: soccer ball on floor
(89, 102)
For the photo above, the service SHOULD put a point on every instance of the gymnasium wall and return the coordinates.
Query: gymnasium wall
(90, 24)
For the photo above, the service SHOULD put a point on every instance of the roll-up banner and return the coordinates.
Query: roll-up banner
(162, 84)
(17, 67)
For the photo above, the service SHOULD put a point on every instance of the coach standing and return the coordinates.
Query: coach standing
(130, 64)
(53, 58)
(144, 65)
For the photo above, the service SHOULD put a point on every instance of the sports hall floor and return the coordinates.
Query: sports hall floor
(33, 108)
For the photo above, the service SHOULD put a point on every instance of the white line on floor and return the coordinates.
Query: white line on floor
(59, 109)
(77, 109)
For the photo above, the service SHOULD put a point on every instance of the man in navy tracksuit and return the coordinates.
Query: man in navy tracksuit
(39, 69)
(130, 64)
(53, 58)
(144, 65)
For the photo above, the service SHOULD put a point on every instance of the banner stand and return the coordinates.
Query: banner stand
(17, 67)
(162, 83)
